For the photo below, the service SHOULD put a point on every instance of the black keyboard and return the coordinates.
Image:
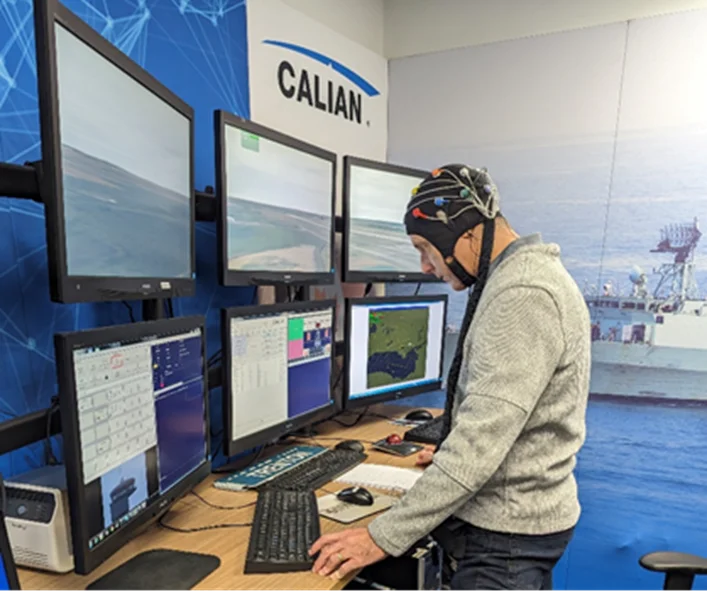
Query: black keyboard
(427, 433)
(285, 526)
(318, 471)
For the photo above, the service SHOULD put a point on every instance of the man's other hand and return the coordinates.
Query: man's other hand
(424, 457)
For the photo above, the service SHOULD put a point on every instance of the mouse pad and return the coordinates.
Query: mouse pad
(159, 569)
(334, 509)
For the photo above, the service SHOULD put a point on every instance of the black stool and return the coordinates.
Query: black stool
(680, 569)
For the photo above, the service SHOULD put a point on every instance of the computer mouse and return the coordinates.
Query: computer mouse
(355, 495)
(354, 445)
(393, 439)
(419, 415)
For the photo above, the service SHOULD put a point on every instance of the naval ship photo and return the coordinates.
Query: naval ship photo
(651, 346)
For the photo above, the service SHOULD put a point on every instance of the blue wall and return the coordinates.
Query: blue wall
(196, 48)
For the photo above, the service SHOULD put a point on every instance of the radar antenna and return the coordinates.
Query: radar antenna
(680, 240)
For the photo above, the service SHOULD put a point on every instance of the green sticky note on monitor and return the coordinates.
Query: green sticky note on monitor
(250, 141)
(296, 329)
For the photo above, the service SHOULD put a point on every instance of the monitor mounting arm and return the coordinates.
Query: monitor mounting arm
(21, 181)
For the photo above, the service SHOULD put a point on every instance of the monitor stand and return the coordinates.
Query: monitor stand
(160, 569)
(308, 432)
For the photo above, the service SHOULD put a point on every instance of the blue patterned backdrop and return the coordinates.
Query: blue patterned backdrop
(197, 48)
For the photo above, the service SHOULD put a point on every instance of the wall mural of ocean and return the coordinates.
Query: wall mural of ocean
(597, 139)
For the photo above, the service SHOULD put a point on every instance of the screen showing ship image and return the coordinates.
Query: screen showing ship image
(125, 157)
(377, 237)
(279, 206)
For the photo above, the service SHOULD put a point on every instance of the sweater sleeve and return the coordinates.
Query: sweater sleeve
(516, 347)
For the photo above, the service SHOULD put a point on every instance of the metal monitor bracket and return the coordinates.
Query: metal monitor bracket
(21, 181)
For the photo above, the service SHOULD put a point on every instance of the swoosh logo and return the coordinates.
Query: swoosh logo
(347, 73)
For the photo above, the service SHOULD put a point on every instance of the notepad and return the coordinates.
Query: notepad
(383, 477)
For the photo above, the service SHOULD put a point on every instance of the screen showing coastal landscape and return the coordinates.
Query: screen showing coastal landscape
(279, 207)
(125, 161)
(377, 238)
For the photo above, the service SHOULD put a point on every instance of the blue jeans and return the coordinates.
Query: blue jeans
(487, 560)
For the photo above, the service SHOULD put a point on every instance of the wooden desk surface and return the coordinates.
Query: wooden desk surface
(231, 544)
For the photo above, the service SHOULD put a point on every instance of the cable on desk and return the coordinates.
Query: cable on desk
(350, 425)
(331, 439)
(380, 416)
(161, 523)
(216, 506)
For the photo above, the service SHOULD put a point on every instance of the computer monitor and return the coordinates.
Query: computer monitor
(394, 348)
(117, 156)
(376, 247)
(277, 197)
(134, 415)
(277, 371)
(8, 570)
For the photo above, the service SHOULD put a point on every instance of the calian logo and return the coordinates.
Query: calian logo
(325, 95)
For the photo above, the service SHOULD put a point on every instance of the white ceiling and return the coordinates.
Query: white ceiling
(422, 26)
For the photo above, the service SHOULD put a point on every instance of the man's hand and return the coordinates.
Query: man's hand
(424, 457)
(343, 552)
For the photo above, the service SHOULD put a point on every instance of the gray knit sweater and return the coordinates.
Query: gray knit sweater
(519, 413)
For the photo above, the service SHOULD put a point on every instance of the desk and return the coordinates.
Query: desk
(231, 544)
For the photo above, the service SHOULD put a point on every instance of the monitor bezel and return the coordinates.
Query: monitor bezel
(393, 395)
(6, 556)
(261, 438)
(232, 277)
(362, 276)
(85, 559)
(66, 288)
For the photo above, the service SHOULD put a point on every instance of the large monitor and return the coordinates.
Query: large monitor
(277, 371)
(394, 348)
(376, 247)
(277, 198)
(134, 415)
(8, 570)
(117, 180)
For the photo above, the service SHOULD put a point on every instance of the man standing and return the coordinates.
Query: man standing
(499, 493)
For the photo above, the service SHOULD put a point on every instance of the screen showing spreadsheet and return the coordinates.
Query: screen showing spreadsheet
(142, 424)
(394, 345)
(280, 368)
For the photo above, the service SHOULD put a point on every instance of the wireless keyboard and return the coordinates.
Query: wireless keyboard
(317, 471)
(427, 433)
(285, 526)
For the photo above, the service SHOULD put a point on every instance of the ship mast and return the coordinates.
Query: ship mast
(680, 240)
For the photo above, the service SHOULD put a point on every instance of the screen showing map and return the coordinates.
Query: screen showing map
(377, 237)
(279, 206)
(394, 346)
